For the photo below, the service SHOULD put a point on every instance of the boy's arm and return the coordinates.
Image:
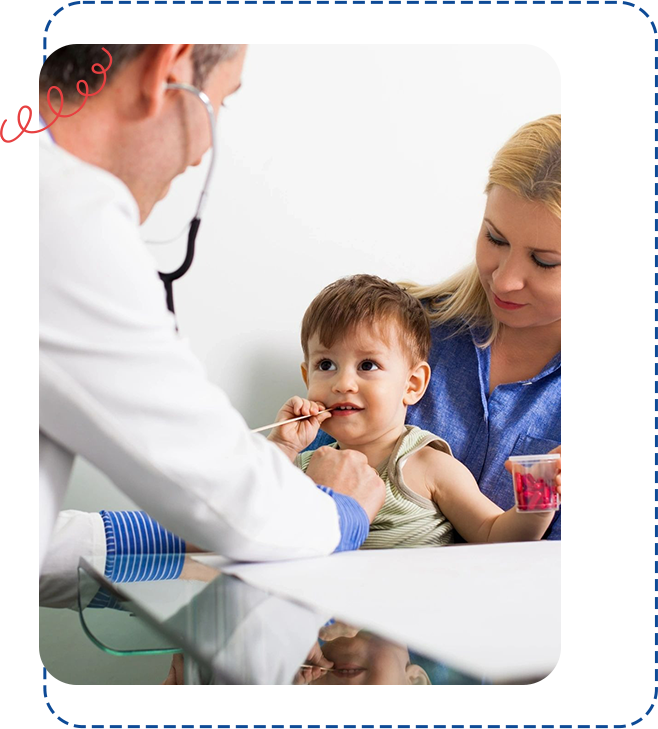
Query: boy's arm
(474, 516)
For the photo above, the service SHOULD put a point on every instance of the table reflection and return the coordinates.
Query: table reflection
(346, 656)
(233, 633)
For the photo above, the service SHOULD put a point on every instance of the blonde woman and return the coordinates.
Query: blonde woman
(496, 326)
(496, 382)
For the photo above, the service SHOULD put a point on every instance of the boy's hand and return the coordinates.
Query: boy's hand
(558, 477)
(316, 659)
(294, 437)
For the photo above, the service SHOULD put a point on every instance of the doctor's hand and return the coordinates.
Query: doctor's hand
(294, 437)
(175, 677)
(348, 472)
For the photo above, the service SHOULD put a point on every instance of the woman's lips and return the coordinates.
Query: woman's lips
(506, 304)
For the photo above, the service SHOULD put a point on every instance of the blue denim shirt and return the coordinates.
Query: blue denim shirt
(520, 418)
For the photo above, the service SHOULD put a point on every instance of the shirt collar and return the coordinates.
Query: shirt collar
(479, 334)
(42, 124)
(552, 366)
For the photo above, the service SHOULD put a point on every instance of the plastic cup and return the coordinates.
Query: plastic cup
(534, 482)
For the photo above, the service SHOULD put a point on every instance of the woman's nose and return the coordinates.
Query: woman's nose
(509, 275)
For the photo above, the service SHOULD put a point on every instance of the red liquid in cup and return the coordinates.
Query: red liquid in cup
(535, 494)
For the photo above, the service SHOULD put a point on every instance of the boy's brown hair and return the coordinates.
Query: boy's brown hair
(364, 299)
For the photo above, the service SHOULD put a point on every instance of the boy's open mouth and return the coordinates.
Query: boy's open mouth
(348, 671)
(343, 409)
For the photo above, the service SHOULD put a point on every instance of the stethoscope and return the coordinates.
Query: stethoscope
(169, 278)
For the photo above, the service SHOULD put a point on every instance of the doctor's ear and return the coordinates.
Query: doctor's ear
(304, 368)
(166, 63)
(419, 379)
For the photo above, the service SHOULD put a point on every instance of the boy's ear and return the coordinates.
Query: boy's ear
(419, 379)
(417, 676)
(304, 368)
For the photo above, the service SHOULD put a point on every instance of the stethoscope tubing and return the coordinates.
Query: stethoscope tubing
(170, 277)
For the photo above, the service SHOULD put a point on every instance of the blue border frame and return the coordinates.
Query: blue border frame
(596, 38)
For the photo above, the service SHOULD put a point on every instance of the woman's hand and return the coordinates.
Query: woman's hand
(294, 437)
(558, 477)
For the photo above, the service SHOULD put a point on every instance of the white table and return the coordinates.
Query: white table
(490, 610)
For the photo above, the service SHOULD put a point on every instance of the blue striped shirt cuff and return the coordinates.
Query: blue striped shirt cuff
(138, 549)
(354, 522)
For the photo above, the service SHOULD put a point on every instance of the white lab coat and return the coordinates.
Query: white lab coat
(120, 388)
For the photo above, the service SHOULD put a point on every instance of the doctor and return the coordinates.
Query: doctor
(118, 386)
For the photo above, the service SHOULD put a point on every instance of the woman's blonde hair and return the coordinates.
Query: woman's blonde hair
(529, 165)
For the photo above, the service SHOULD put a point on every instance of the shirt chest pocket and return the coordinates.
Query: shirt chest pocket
(525, 445)
(528, 445)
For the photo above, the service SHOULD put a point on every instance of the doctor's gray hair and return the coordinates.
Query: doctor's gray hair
(69, 64)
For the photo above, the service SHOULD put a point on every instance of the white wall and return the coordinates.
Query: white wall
(333, 160)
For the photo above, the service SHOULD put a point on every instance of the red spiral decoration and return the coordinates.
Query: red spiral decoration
(97, 68)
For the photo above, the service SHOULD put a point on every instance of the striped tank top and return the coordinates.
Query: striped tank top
(406, 519)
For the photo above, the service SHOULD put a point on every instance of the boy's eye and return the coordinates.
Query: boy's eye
(369, 366)
(326, 365)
